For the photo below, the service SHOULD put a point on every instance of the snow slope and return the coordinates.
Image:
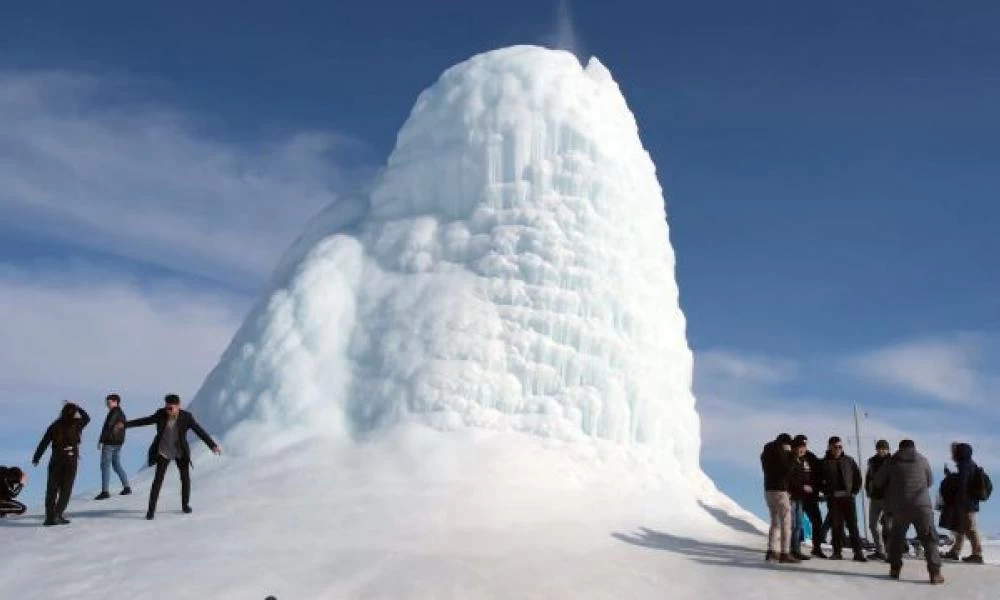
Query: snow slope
(424, 514)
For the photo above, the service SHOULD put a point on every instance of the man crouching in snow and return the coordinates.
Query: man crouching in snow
(12, 481)
(170, 444)
(906, 479)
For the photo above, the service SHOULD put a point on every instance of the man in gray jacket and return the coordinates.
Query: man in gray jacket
(906, 479)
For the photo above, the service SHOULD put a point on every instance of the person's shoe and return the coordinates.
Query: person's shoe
(877, 556)
(951, 555)
(800, 556)
(788, 559)
(771, 557)
(126, 491)
(860, 558)
(894, 573)
(149, 516)
(61, 520)
(817, 552)
(936, 579)
(49, 522)
(836, 556)
(973, 559)
(102, 496)
(186, 509)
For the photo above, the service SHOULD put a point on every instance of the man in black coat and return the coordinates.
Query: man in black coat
(877, 515)
(841, 483)
(170, 444)
(810, 502)
(777, 462)
(110, 444)
(64, 437)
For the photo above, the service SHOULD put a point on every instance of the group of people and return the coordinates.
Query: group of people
(64, 435)
(796, 482)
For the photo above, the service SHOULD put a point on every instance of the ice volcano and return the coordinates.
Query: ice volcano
(510, 269)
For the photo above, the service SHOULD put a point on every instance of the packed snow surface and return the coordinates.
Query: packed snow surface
(509, 269)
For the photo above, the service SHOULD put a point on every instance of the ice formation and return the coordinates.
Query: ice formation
(509, 269)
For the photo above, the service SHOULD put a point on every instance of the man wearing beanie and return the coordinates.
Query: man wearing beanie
(841, 483)
(777, 463)
(875, 493)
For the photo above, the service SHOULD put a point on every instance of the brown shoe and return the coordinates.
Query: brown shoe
(936, 579)
(788, 559)
(894, 573)
(771, 557)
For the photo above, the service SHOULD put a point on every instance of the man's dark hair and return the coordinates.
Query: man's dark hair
(881, 444)
(172, 399)
(800, 439)
(834, 440)
(784, 439)
(904, 444)
(114, 398)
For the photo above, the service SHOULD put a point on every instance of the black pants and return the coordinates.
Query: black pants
(183, 466)
(844, 510)
(62, 474)
(811, 508)
(11, 507)
(923, 521)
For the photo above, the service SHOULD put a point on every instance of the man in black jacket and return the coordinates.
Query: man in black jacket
(777, 463)
(12, 480)
(170, 444)
(841, 483)
(810, 503)
(877, 514)
(110, 445)
(64, 437)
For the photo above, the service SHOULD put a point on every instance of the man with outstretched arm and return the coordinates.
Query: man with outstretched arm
(170, 444)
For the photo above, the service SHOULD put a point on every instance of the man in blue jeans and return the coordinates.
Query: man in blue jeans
(110, 444)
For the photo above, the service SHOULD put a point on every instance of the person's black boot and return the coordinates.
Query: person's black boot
(858, 557)
(102, 496)
(951, 555)
(186, 509)
(61, 520)
(149, 516)
(49, 522)
(973, 559)
(126, 491)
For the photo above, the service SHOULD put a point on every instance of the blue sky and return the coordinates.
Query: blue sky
(831, 173)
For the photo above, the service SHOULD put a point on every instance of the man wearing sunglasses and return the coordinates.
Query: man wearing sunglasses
(841, 483)
(170, 444)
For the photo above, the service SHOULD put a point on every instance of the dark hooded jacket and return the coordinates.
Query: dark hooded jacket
(906, 478)
(802, 476)
(966, 469)
(10, 482)
(836, 469)
(64, 436)
(777, 464)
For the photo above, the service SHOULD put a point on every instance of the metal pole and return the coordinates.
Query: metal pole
(864, 499)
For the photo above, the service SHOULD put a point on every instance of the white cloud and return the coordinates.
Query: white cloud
(727, 365)
(949, 370)
(83, 164)
(79, 334)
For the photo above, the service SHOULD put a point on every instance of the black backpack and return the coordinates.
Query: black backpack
(980, 486)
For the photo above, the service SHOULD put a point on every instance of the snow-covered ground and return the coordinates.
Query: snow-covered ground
(422, 514)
